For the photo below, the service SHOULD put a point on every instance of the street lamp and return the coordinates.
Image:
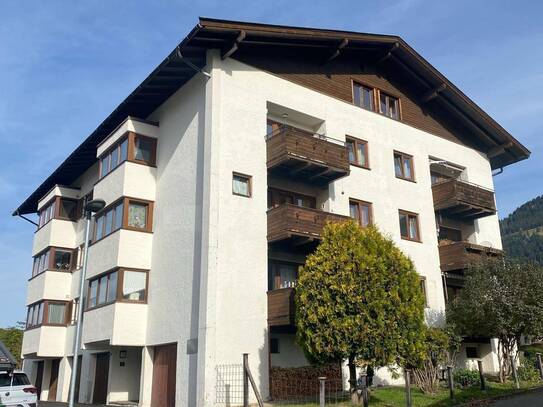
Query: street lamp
(91, 207)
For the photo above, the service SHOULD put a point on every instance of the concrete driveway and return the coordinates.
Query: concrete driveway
(533, 399)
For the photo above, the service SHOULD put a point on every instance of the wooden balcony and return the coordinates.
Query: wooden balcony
(460, 199)
(459, 255)
(281, 307)
(299, 223)
(306, 157)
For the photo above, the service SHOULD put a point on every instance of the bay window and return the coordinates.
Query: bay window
(58, 208)
(120, 285)
(48, 312)
(54, 259)
(126, 213)
(132, 147)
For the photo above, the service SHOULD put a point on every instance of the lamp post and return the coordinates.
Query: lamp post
(91, 207)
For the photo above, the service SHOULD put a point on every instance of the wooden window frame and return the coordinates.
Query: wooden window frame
(124, 223)
(274, 268)
(404, 157)
(358, 142)
(373, 89)
(359, 203)
(118, 293)
(376, 99)
(130, 137)
(389, 96)
(45, 315)
(56, 215)
(249, 179)
(424, 289)
(50, 262)
(416, 216)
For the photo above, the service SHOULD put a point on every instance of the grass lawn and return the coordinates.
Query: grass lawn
(395, 396)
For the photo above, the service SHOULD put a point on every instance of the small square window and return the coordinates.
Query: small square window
(274, 345)
(137, 215)
(241, 185)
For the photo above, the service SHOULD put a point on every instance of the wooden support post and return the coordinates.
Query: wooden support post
(539, 365)
(514, 370)
(322, 391)
(245, 380)
(451, 382)
(481, 374)
(408, 398)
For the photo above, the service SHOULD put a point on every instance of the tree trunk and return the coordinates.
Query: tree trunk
(356, 397)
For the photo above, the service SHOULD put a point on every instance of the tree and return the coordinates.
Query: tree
(12, 337)
(501, 299)
(358, 298)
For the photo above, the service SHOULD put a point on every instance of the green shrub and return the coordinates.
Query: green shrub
(527, 371)
(466, 377)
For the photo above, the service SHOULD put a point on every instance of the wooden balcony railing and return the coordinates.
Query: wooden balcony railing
(291, 221)
(459, 255)
(281, 307)
(305, 156)
(460, 199)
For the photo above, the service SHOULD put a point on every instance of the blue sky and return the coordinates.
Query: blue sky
(64, 66)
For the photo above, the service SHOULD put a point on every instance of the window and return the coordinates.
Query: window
(112, 218)
(47, 313)
(241, 185)
(437, 177)
(409, 225)
(104, 289)
(83, 201)
(274, 345)
(361, 211)
(423, 290)
(364, 96)
(282, 275)
(137, 215)
(357, 150)
(132, 147)
(403, 166)
(74, 310)
(53, 258)
(277, 197)
(56, 313)
(389, 106)
(19, 379)
(134, 285)
(449, 234)
(59, 208)
(472, 352)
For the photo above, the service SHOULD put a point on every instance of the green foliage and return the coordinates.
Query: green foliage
(522, 232)
(439, 343)
(527, 370)
(466, 378)
(358, 297)
(525, 217)
(12, 337)
(501, 299)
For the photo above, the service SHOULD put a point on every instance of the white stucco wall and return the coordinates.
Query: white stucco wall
(130, 124)
(124, 384)
(58, 190)
(45, 341)
(56, 232)
(52, 285)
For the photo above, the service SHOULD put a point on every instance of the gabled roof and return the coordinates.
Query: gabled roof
(230, 36)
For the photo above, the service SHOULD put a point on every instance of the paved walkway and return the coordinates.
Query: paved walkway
(58, 404)
(533, 399)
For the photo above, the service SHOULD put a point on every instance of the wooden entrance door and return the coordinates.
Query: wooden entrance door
(53, 381)
(39, 377)
(101, 375)
(164, 366)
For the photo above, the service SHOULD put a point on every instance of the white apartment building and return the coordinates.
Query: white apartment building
(219, 172)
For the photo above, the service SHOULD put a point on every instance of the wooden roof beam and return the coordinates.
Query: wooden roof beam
(241, 36)
(344, 42)
(500, 149)
(433, 93)
(389, 53)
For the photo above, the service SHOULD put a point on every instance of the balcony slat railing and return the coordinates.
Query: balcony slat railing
(309, 157)
(288, 220)
(462, 199)
(281, 307)
(459, 255)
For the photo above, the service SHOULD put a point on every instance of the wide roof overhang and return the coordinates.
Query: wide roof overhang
(189, 57)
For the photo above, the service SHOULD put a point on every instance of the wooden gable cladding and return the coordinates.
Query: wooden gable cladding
(336, 79)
